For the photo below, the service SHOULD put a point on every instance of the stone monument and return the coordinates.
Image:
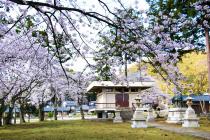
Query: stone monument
(175, 115)
(190, 118)
(117, 118)
(138, 120)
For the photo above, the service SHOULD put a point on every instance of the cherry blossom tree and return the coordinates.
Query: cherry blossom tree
(160, 42)
(78, 89)
(26, 66)
(193, 13)
(41, 36)
(149, 42)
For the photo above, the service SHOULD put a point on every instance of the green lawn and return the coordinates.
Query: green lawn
(84, 130)
(204, 124)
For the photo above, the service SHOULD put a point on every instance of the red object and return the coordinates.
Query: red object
(122, 100)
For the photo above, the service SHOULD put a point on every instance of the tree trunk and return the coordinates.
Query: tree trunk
(41, 112)
(10, 114)
(80, 102)
(55, 113)
(1, 117)
(82, 113)
(2, 109)
(208, 55)
(22, 113)
(55, 108)
(29, 116)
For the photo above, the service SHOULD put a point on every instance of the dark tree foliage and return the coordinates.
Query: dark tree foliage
(176, 8)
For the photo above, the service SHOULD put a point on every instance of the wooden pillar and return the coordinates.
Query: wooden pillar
(208, 55)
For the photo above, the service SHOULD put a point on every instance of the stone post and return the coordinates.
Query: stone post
(190, 118)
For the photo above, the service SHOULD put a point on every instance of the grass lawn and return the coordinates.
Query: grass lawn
(204, 125)
(85, 130)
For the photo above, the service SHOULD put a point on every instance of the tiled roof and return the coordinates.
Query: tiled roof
(197, 97)
(100, 84)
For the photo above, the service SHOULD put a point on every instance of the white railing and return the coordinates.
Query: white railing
(105, 105)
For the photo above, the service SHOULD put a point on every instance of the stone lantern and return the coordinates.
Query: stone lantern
(138, 120)
(190, 118)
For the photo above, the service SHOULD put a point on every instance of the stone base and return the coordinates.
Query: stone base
(176, 115)
(191, 123)
(190, 118)
(138, 120)
(117, 120)
(139, 124)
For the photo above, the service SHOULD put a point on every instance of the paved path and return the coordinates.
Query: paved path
(181, 130)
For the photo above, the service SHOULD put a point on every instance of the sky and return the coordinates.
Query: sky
(79, 63)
